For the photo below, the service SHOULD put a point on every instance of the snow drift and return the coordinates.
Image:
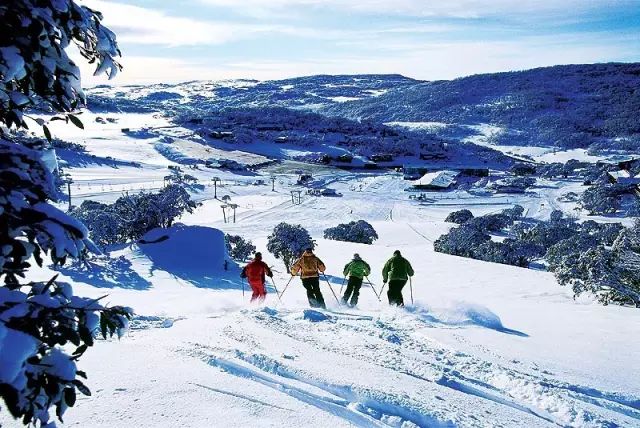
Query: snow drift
(196, 254)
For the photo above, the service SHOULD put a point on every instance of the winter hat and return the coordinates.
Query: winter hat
(356, 256)
(258, 256)
(396, 253)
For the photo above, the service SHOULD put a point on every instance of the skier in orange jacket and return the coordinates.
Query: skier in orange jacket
(309, 266)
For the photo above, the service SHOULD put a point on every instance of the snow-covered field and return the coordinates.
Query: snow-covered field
(482, 345)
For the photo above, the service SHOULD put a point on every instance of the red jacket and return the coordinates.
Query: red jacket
(256, 271)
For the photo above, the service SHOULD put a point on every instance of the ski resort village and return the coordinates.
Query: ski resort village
(344, 250)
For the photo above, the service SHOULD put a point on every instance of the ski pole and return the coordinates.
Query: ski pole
(343, 281)
(331, 288)
(276, 288)
(243, 287)
(286, 286)
(411, 289)
(373, 288)
(383, 284)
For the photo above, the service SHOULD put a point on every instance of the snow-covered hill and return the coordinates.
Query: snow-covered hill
(570, 106)
(591, 106)
(311, 92)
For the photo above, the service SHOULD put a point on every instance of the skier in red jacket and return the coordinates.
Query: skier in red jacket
(256, 272)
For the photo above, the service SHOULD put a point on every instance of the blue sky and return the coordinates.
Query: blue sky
(169, 41)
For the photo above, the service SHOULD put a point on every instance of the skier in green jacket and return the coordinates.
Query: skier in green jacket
(356, 269)
(397, 271)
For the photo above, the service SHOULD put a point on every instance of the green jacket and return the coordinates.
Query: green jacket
(397, 268)
(357, 268)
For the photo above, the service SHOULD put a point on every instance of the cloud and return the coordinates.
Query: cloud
(425, 8)
(144, 26)
(428, 61)
(139, 25)
(308, 43)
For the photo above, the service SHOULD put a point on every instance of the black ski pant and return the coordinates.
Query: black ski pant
(395, 292)
(352, 291)
(313, 292)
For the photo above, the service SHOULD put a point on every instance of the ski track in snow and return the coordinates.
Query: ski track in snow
(395, 344)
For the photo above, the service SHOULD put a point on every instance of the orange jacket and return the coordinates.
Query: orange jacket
(308, 266)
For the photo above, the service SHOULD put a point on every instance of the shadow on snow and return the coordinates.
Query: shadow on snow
(106, 273)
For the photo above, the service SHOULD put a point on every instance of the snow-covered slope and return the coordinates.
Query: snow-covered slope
(483, 344)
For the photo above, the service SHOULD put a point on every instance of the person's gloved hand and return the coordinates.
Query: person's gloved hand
(270, 275)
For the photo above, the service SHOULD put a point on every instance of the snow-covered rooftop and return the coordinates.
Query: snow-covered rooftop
(624, 177)
(442, 179)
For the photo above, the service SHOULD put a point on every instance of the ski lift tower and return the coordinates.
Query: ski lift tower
(215, 180)
(233, 207)
(224, 211)
(68, 181)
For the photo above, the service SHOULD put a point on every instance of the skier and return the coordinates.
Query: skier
(356, 269)
(397, 271)
(309, 266)
(256, 272)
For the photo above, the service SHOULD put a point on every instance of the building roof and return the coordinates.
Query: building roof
(441, 179)
(624, 177)
(620, 174)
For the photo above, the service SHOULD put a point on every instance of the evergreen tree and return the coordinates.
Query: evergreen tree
(239, 248)
(459, 217)
(44, 327)
(288, 241)
(613, 275)
(356, 231)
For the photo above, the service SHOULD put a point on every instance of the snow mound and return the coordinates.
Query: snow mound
(194, 253)
(463, 314)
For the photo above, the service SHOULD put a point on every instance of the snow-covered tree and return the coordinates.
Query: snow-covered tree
(601, 199)
(513, 184)
(508, 253)
(551, 170)
(546, 234)
(239, 248)
(567, 252)
(44, 327)
(514, 213)
(605, 233)
(461, 241)
(35, 68)
(523, 169)
(612, 275)
(356, 231)
(105, 226)
(556, 216)
(131, 216)
(459, 217)
(288, 241)
(490, 222)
